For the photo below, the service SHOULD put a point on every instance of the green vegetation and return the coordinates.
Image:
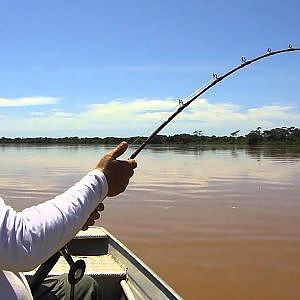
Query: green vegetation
(284, 135)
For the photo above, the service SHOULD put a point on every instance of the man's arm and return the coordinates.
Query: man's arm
(29, 237)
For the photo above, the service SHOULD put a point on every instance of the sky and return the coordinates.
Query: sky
(118, 68)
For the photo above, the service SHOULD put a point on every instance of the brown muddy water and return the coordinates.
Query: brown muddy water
(213, 222)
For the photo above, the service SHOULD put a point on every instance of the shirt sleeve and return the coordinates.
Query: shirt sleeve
(29, 237)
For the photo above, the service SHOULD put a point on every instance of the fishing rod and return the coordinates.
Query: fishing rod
(216, 79)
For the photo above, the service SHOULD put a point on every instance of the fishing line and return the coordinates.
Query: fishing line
(149, 129)
(162, 118)
(216, 79)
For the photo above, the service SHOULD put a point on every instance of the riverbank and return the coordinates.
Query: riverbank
(283, 135)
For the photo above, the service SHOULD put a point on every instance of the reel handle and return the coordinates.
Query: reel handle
(77, 268)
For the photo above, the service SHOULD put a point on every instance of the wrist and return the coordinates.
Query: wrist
(102, 180)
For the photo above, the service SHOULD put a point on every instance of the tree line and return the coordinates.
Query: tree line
(287, 135)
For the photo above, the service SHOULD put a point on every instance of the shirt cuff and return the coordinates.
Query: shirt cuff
(100, 177)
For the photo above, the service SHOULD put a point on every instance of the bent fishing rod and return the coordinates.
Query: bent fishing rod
(77, 268)
(216, 79)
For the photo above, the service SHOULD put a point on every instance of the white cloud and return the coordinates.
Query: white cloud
(135, 117)
(37, 114)
(202, 110)
(135, 110)
(27, 101)
(61, 114)
(270, 112)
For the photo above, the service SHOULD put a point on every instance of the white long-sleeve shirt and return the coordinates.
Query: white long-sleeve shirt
(30, 237)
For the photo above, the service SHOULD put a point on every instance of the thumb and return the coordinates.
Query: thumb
(119, 150)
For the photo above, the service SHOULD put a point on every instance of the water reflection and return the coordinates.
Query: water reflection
(289, 153)
(256, 152)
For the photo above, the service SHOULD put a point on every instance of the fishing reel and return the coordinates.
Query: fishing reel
(76, 271)
(77, 268)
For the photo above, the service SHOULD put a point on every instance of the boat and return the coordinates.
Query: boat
(121, 273)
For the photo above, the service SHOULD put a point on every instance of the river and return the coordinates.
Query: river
(215, 222)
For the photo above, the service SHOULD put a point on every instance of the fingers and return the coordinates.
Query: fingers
(100, 207)
(128, 167)
(132, 163)
(85, 227)
(88, 223)
(93, 216)
(119, 150)
(117, 171)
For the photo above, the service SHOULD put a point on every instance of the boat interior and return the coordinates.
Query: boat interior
(121, 274)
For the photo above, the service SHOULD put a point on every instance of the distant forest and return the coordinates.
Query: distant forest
(286, 135)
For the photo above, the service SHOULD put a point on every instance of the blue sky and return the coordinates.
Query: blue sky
(118, 68)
